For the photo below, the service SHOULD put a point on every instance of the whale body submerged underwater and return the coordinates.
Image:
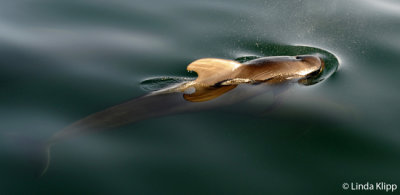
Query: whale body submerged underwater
(220, 82)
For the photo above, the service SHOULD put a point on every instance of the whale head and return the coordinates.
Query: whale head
(315, 66)
(280, 69)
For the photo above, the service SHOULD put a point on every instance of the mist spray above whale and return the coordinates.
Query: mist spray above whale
(220, 82)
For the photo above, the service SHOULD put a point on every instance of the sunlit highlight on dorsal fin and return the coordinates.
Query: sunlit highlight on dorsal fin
(213, 70)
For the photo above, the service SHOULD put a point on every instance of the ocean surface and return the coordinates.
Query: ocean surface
(63, 60)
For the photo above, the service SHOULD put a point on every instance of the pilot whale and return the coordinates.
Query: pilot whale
(220, 82)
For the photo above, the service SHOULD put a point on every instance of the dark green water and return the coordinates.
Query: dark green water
(63, 60)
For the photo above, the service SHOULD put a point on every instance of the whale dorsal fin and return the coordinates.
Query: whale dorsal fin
(212, 70)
